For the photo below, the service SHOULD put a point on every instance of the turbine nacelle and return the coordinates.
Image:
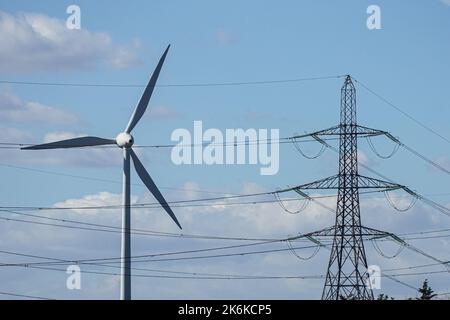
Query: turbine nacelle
(124, 140)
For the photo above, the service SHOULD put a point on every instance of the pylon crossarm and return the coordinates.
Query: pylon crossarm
(333, 183)
(285, 190)
(408, 190)
(394, 139)
(310, 236)
(326, 183)
(326, 132)
(397, 239)
(374, 233)
(336, 131)
(327, 232)
(365, 231)
(370, 183)
(369, 132)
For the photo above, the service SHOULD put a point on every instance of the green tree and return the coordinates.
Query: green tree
(426, 292)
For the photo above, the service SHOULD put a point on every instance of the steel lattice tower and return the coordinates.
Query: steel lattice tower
(347, 268)
(347, 276)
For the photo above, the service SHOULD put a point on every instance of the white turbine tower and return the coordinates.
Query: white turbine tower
(125, 141)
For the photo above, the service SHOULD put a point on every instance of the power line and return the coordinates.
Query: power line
(399, 282)
(411, 150)
(145, 232)
(154, 270)
(24, 296)
(143, 205)
(104, 180)
(117, 182)
(215, 276)
(427, 232)
(159, 233)
(231, 84)
(420, 273)
(208, 84)
(424, 158)
(88, 262)
(196, 190)
(420, 123)
(282, 140)
(136, 259)
(117, 259)
(421, 197)
(428, 237)
(277, 250)
(64, 261)
(175, 203)
(207, 276)
(187, 203)
(443, 293)
(309, 277)
(116, 229)
(137, 231)
(152, 255)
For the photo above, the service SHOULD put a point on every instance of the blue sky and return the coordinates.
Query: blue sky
(233, 41)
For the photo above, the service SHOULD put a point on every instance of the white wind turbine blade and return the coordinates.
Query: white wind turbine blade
(143, 102)
(147, 180)
(72, 143)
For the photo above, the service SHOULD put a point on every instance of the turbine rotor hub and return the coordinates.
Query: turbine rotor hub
(124, 140)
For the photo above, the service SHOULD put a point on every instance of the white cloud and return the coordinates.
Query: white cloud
(446, 2)
(31, 41)
(103, 198)
(257, 220)
(14, 109)
(100, 199)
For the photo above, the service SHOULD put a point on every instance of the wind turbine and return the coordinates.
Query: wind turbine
(125, 141)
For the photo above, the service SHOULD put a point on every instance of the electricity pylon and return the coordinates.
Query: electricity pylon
(347, 275)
